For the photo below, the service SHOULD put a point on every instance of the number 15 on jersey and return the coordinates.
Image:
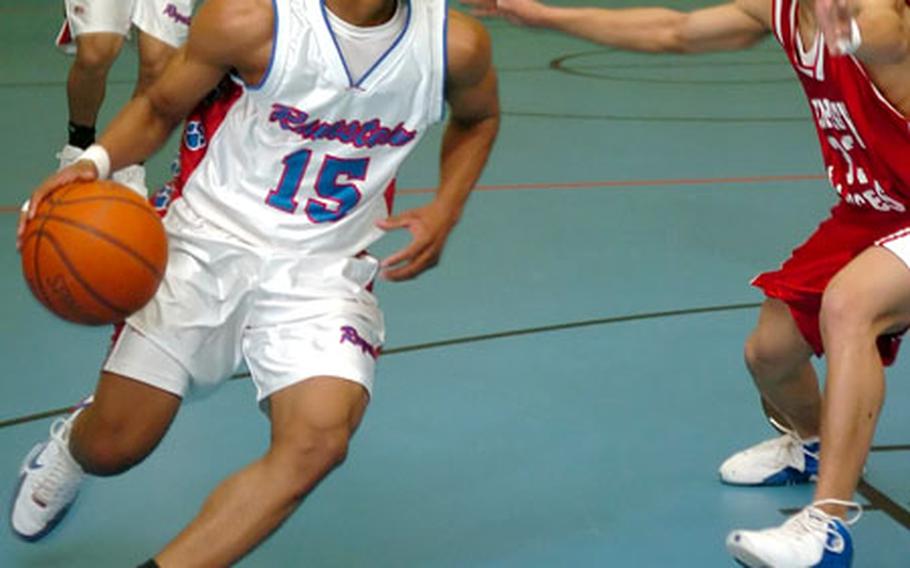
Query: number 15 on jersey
(334, 193)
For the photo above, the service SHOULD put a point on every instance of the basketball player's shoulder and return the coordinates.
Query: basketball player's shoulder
(468, 48)
(237, 25)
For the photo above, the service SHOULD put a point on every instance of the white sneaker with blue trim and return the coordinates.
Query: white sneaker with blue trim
(48, 483)
(785, 460)
(808, 539)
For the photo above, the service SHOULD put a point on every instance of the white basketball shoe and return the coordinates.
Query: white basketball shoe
(132, 177)
(810, 538)
(785, 460)
(67, 156)
(49, 481)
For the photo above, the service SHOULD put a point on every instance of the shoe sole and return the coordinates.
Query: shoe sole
(772, 481)
(747, 560)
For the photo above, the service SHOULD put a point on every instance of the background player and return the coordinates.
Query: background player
(266, 243)
(95, 31)
(846, 291)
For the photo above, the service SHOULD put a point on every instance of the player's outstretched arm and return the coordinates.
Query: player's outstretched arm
(736, 25)
(225, 34)
(876, 31)
(473, 100)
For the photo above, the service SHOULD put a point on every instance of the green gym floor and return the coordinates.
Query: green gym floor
(558, 392)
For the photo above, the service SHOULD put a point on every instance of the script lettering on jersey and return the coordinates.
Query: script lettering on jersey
(854, 183)
(360, 134)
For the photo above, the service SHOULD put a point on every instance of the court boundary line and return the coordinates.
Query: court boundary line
(611, 184)
(881, 501)
(878, 500)
(6, 423)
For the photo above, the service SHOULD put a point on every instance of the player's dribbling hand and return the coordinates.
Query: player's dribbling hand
(834, 19)
(83, 170)
(429, 226)
(522, 12)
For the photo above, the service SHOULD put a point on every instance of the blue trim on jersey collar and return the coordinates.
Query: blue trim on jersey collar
(368, 72)
(268, 69)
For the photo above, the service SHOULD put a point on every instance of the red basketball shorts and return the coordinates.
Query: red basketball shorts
(802, 279)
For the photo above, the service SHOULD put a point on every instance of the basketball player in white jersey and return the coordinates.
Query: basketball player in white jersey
(94, 31)
(845, 292)
(287, 179)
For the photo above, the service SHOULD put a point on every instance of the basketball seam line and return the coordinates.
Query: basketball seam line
(37, 266)
(105, 237)
(78, 277)
(39, 234)
(142, 206)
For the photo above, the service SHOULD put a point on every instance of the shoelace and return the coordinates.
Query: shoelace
(793, 445)
(814, 520)
(58, 481)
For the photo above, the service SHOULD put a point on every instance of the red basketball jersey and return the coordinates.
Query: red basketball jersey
(865, 140)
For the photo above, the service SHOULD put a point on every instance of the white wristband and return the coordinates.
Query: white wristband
(97, 155)
(849, 46)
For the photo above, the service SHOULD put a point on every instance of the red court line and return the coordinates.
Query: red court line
(597, 184)
(629, 183)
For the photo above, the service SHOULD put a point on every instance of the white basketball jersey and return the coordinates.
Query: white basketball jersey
(305, 159)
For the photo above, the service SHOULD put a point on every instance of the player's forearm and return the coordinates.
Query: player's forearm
(137, 132)
(636, 29)
(465, 149)
(885, 36)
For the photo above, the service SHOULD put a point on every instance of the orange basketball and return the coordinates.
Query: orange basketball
(94, 253)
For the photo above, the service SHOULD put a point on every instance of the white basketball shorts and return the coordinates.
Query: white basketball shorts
(95, 16)
(899, 244)
(166, 20)
(289, 317)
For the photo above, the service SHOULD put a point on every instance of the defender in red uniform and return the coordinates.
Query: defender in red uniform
(846, 291)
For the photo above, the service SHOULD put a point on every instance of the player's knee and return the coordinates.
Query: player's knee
(762, 355)
(324, 449)
(311, 456)
(109, 447)
(149, 70)
(105, 456)
(97, 55)
(846, 313)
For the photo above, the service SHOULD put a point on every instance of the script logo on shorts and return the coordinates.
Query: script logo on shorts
(173, 13)
(352, 336)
